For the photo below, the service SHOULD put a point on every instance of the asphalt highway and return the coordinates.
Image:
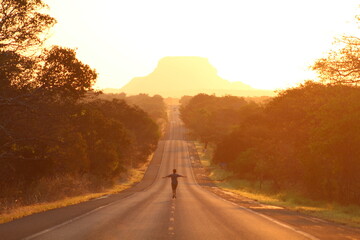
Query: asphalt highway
(149, 212)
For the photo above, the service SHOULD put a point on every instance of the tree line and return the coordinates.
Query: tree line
(154, 105)
(306, 139)
(56, 135)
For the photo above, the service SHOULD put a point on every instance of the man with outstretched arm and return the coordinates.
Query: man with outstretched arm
(174, 182)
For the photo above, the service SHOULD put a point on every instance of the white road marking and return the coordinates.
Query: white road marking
(65, 223)
(102, 197)
(251, 211)
(172, 219)
(92, 211)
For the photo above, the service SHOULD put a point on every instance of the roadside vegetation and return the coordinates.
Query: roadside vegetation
(265, 194)
(58, 138)
(155, 105)
(127, 180)
(301, 146)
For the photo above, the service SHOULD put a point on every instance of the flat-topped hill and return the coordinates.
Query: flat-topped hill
(178, 76)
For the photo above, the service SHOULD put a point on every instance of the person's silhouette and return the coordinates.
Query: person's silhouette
(174, 182)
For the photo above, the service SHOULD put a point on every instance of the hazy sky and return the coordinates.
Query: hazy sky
(266, 44)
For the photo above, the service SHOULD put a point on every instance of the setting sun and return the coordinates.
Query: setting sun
(265, 44)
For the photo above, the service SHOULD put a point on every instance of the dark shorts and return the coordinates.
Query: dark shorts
(173, 186)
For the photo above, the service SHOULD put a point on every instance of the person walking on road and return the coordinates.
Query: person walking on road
(174, 182)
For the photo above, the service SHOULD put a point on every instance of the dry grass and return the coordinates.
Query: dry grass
(133, 176)
(349, 215)
(23, 211)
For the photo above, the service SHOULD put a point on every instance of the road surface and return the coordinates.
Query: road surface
(149, 212)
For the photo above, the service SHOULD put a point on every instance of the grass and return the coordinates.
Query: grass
(349, 215)
(133, 176)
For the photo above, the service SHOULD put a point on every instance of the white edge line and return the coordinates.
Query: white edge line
(192, 172)
(277, 222)
(64, 223)
(251, 211)
(92, 211)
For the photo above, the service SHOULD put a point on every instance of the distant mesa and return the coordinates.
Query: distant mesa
(179, 76)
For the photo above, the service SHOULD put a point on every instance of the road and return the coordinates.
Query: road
(148, 211)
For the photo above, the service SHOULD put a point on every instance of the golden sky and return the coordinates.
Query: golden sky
(266, 44)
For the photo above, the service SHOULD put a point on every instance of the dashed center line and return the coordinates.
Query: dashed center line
(172, 219)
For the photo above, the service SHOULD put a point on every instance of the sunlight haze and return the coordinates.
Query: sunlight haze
(164, 119)
(265, 44)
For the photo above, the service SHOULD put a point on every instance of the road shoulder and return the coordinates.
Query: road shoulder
(319, 228)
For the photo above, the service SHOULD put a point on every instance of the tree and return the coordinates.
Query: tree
(22, 24)
(63, 75)
(154, 106)
(306, 139)
(107, 142)
(143, 130)
(331, 156)
(31, 94)
(48, 128)
(15, 71)
(342, 65)
(210, 117)
(33, 88)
